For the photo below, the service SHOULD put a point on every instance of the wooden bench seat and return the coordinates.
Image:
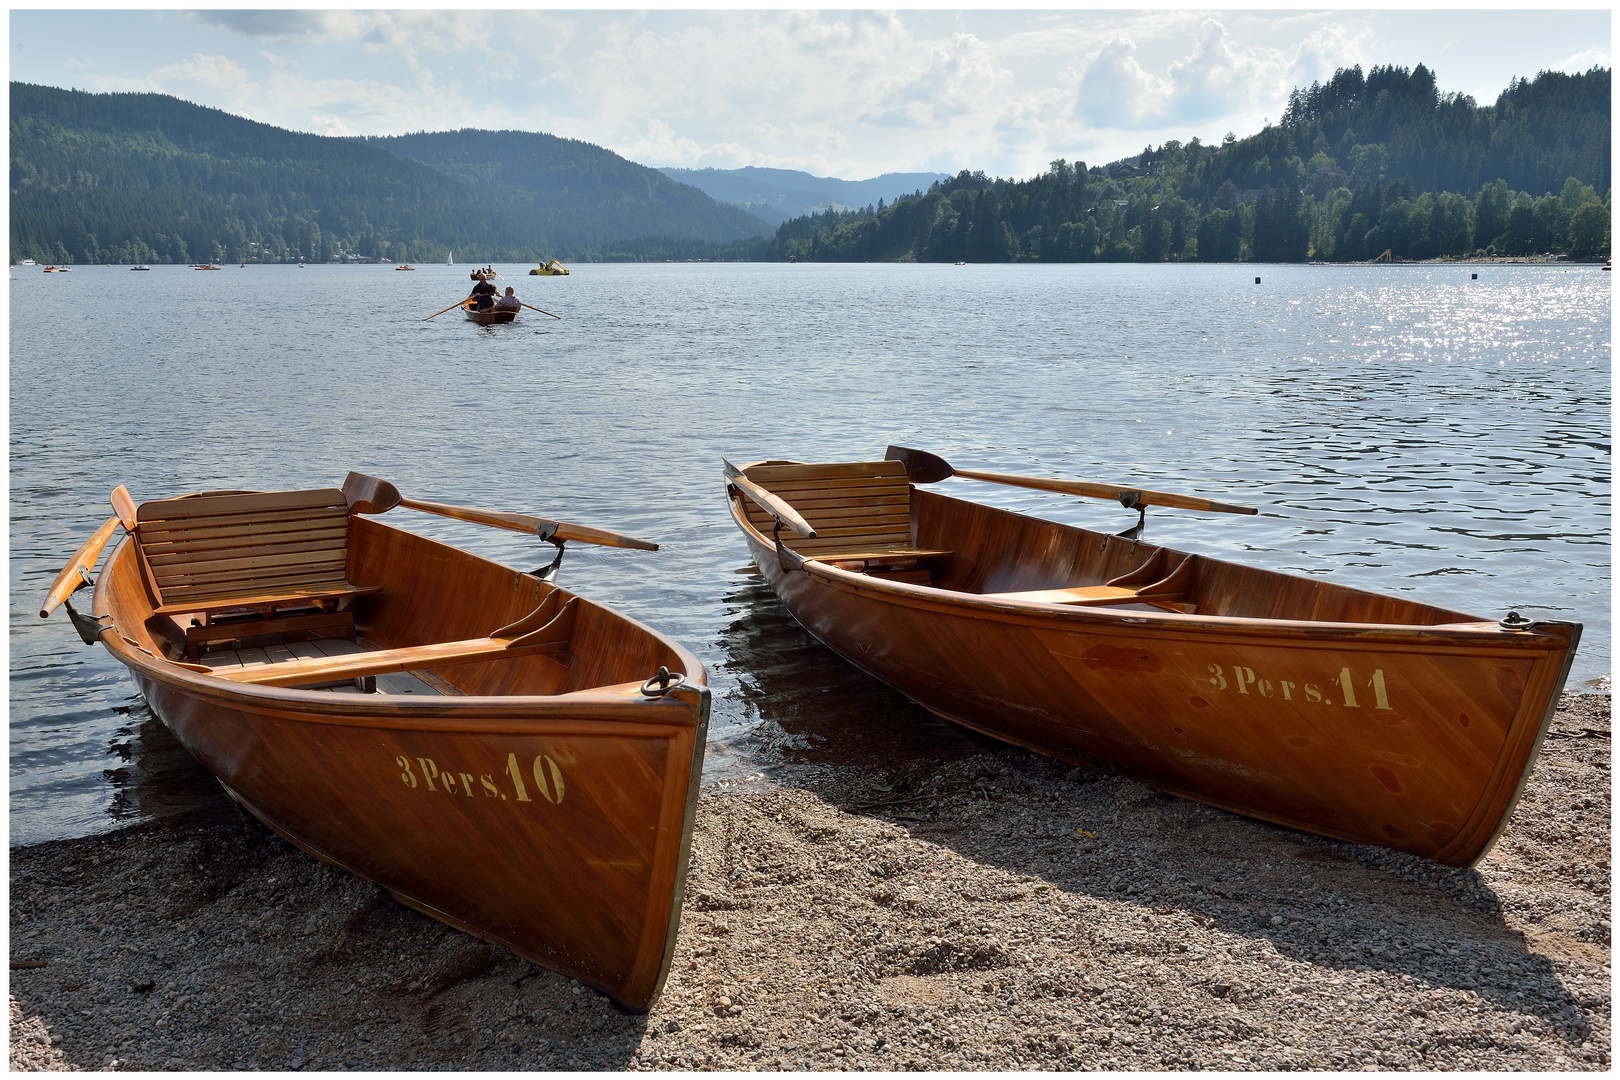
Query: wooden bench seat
(861, 512)
(262, 552)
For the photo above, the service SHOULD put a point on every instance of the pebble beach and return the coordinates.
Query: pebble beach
(995, 911)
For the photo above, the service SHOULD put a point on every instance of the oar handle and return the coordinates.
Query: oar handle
(1111, 492)
(773, 505)
(75, 575)
(545, 528)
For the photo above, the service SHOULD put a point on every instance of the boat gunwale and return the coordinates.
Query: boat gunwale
(1039, 613)
(382, 710)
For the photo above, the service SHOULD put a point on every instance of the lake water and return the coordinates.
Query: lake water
(1406, 429)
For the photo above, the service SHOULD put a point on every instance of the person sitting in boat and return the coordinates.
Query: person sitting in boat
(509, 302)
(483, 292)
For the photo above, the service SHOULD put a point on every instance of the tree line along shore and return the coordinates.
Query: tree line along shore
(1374, 166)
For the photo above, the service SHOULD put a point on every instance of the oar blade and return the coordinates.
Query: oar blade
(124, 507)
(921, 466)
(368, 494)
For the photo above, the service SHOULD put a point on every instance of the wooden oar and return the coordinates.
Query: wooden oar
(926, 468)
(542, 311)
(76, 574)
(452, 307)
(773, 505)
(370, 495)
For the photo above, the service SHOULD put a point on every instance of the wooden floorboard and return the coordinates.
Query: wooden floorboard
(398, 682)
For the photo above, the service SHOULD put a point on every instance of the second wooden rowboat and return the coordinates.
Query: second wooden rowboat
(1369, 718)
(497, 752)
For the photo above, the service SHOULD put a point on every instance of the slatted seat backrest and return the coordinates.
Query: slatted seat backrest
(204, 551)
(861, 505)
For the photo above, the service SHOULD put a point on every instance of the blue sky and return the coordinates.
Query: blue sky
(850, 94)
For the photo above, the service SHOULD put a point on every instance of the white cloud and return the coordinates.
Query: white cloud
(851, 94)
(219, 78)
(1586, 59)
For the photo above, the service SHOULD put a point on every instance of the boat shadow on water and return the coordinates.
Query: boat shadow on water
(1091, 832)
(809, 708)
(156, 779)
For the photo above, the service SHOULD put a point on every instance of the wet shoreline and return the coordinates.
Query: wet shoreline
(984, 908)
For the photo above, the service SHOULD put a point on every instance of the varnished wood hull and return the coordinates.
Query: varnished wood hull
(547, 806)
(490, 318)
(1348, 714)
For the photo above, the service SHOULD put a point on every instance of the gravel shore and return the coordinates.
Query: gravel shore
(998, 911)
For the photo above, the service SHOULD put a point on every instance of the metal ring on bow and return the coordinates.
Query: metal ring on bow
(1516, 623)
(663, 682)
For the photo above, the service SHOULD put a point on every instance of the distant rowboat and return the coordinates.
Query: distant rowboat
(489, 316)
(404, 266)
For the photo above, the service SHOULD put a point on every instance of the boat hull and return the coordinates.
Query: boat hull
(1417, 738)
(490, 318)
(558, 824)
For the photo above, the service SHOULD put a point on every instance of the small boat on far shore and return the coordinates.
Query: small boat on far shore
(143, 266)
(404, 266)
(205, 266)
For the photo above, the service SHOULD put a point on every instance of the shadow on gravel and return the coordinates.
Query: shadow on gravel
(828, 728)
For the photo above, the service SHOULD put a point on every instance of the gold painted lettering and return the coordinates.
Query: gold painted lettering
(541, 781)
(1264, 688)
(1216, 678)
(1349, 689)
(1312, 693)
(429, 771)
(1287, 686)
(556, 779)
(448, 779)
(490, 790)
(407, 776)
(1380, 695)
(466, 784)
(1244, 678)
(517, 778)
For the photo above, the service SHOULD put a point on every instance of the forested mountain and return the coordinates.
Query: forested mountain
(1366, 164)
(779, 195)
(150, 178)
(1362, 167)
(585, 195)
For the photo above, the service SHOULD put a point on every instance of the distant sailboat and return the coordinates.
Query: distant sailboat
(450, 260)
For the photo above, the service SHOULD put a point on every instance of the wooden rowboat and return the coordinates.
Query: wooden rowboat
(497, 752)
(1368, 718)
(489, 317)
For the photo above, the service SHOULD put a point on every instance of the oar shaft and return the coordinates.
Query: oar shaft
(452, 307)
(556, 530)
(70, 579)
(1107, 491)
(542, 311)
(773, 505)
